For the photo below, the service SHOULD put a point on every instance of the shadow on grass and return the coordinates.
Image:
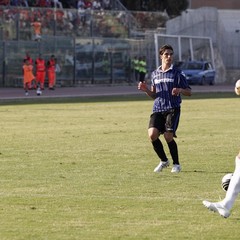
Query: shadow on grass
(115, 98)
(202, 171)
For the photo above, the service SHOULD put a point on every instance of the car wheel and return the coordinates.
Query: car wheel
(202, 81)
(212, 82)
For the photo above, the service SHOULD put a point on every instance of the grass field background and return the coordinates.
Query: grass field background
(83, 169)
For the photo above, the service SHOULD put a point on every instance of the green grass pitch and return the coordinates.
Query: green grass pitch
(83, 169)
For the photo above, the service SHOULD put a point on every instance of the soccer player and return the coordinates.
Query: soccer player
(223, 207)
(167, 85)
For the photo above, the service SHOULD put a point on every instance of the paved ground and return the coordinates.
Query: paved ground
(90, 91)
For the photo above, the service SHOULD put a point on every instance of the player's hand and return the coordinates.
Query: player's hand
(176, 91)
(142, 86)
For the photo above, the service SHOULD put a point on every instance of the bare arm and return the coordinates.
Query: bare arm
(143, 87)
(183, 91)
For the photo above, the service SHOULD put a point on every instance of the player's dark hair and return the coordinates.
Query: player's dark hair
(165, 47)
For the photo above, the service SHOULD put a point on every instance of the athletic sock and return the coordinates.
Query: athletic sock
(173, 151)
(234, 187)
(158, 148)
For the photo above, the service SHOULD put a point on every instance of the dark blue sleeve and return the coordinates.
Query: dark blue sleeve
(182, 81)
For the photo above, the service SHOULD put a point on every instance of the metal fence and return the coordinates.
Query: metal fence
(91, 46)
(82, 60)
(98, 46)
(186, 47)
(15, 23)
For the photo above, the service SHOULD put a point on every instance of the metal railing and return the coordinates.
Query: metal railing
(83, 61)
(92, 47)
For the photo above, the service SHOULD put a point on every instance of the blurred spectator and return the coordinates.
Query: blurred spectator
(5, 2)
(57, 3)
(69, 3)
(15, 3)
(106, 4)
(81, 4)
(88, 4)
(25, 3)
(51, 70)
(43, 3)
(19, 3)
(96, 5)
(37, 29)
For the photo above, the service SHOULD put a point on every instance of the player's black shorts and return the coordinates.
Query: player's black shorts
(165, 121)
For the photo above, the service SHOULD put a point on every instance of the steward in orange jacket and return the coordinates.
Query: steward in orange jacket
(51, 67)
(30, 62)
(28, 76)
(40, 71)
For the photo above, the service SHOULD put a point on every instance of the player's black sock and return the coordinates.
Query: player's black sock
(158, 148)
(173, 151)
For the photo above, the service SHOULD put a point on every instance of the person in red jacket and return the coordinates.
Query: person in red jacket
(40, 72)
(51, 70)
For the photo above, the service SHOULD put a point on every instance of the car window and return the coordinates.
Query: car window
(210, 66)
(192, 66)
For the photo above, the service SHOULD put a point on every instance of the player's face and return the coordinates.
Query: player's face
(167, 57)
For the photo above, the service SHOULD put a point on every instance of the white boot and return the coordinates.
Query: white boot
(223, 207)
(234, 187)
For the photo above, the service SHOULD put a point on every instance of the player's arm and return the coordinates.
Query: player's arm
(186, 91)
(183, 91)
(150, 92)
(182, 87)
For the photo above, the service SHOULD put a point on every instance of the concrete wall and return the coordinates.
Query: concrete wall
(224, 29)
(220, 4)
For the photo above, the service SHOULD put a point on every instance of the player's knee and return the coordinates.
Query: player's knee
(153, 134)
(168, 136)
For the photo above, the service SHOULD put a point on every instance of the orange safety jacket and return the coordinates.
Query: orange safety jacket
(51, 65)
(40, 65)
(27, 73)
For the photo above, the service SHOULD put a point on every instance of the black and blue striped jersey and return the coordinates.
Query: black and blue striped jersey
(164, 82)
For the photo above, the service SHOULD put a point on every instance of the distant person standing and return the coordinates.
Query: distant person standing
(27, 57)
(30, 62)
(51, 71)
(37, 28)
(57, 3)
(43, 3)
(96, 5)
(135, 63)
(81, 4)
(106, 4)
(40, 72)
(28, 76)
(142, 69)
